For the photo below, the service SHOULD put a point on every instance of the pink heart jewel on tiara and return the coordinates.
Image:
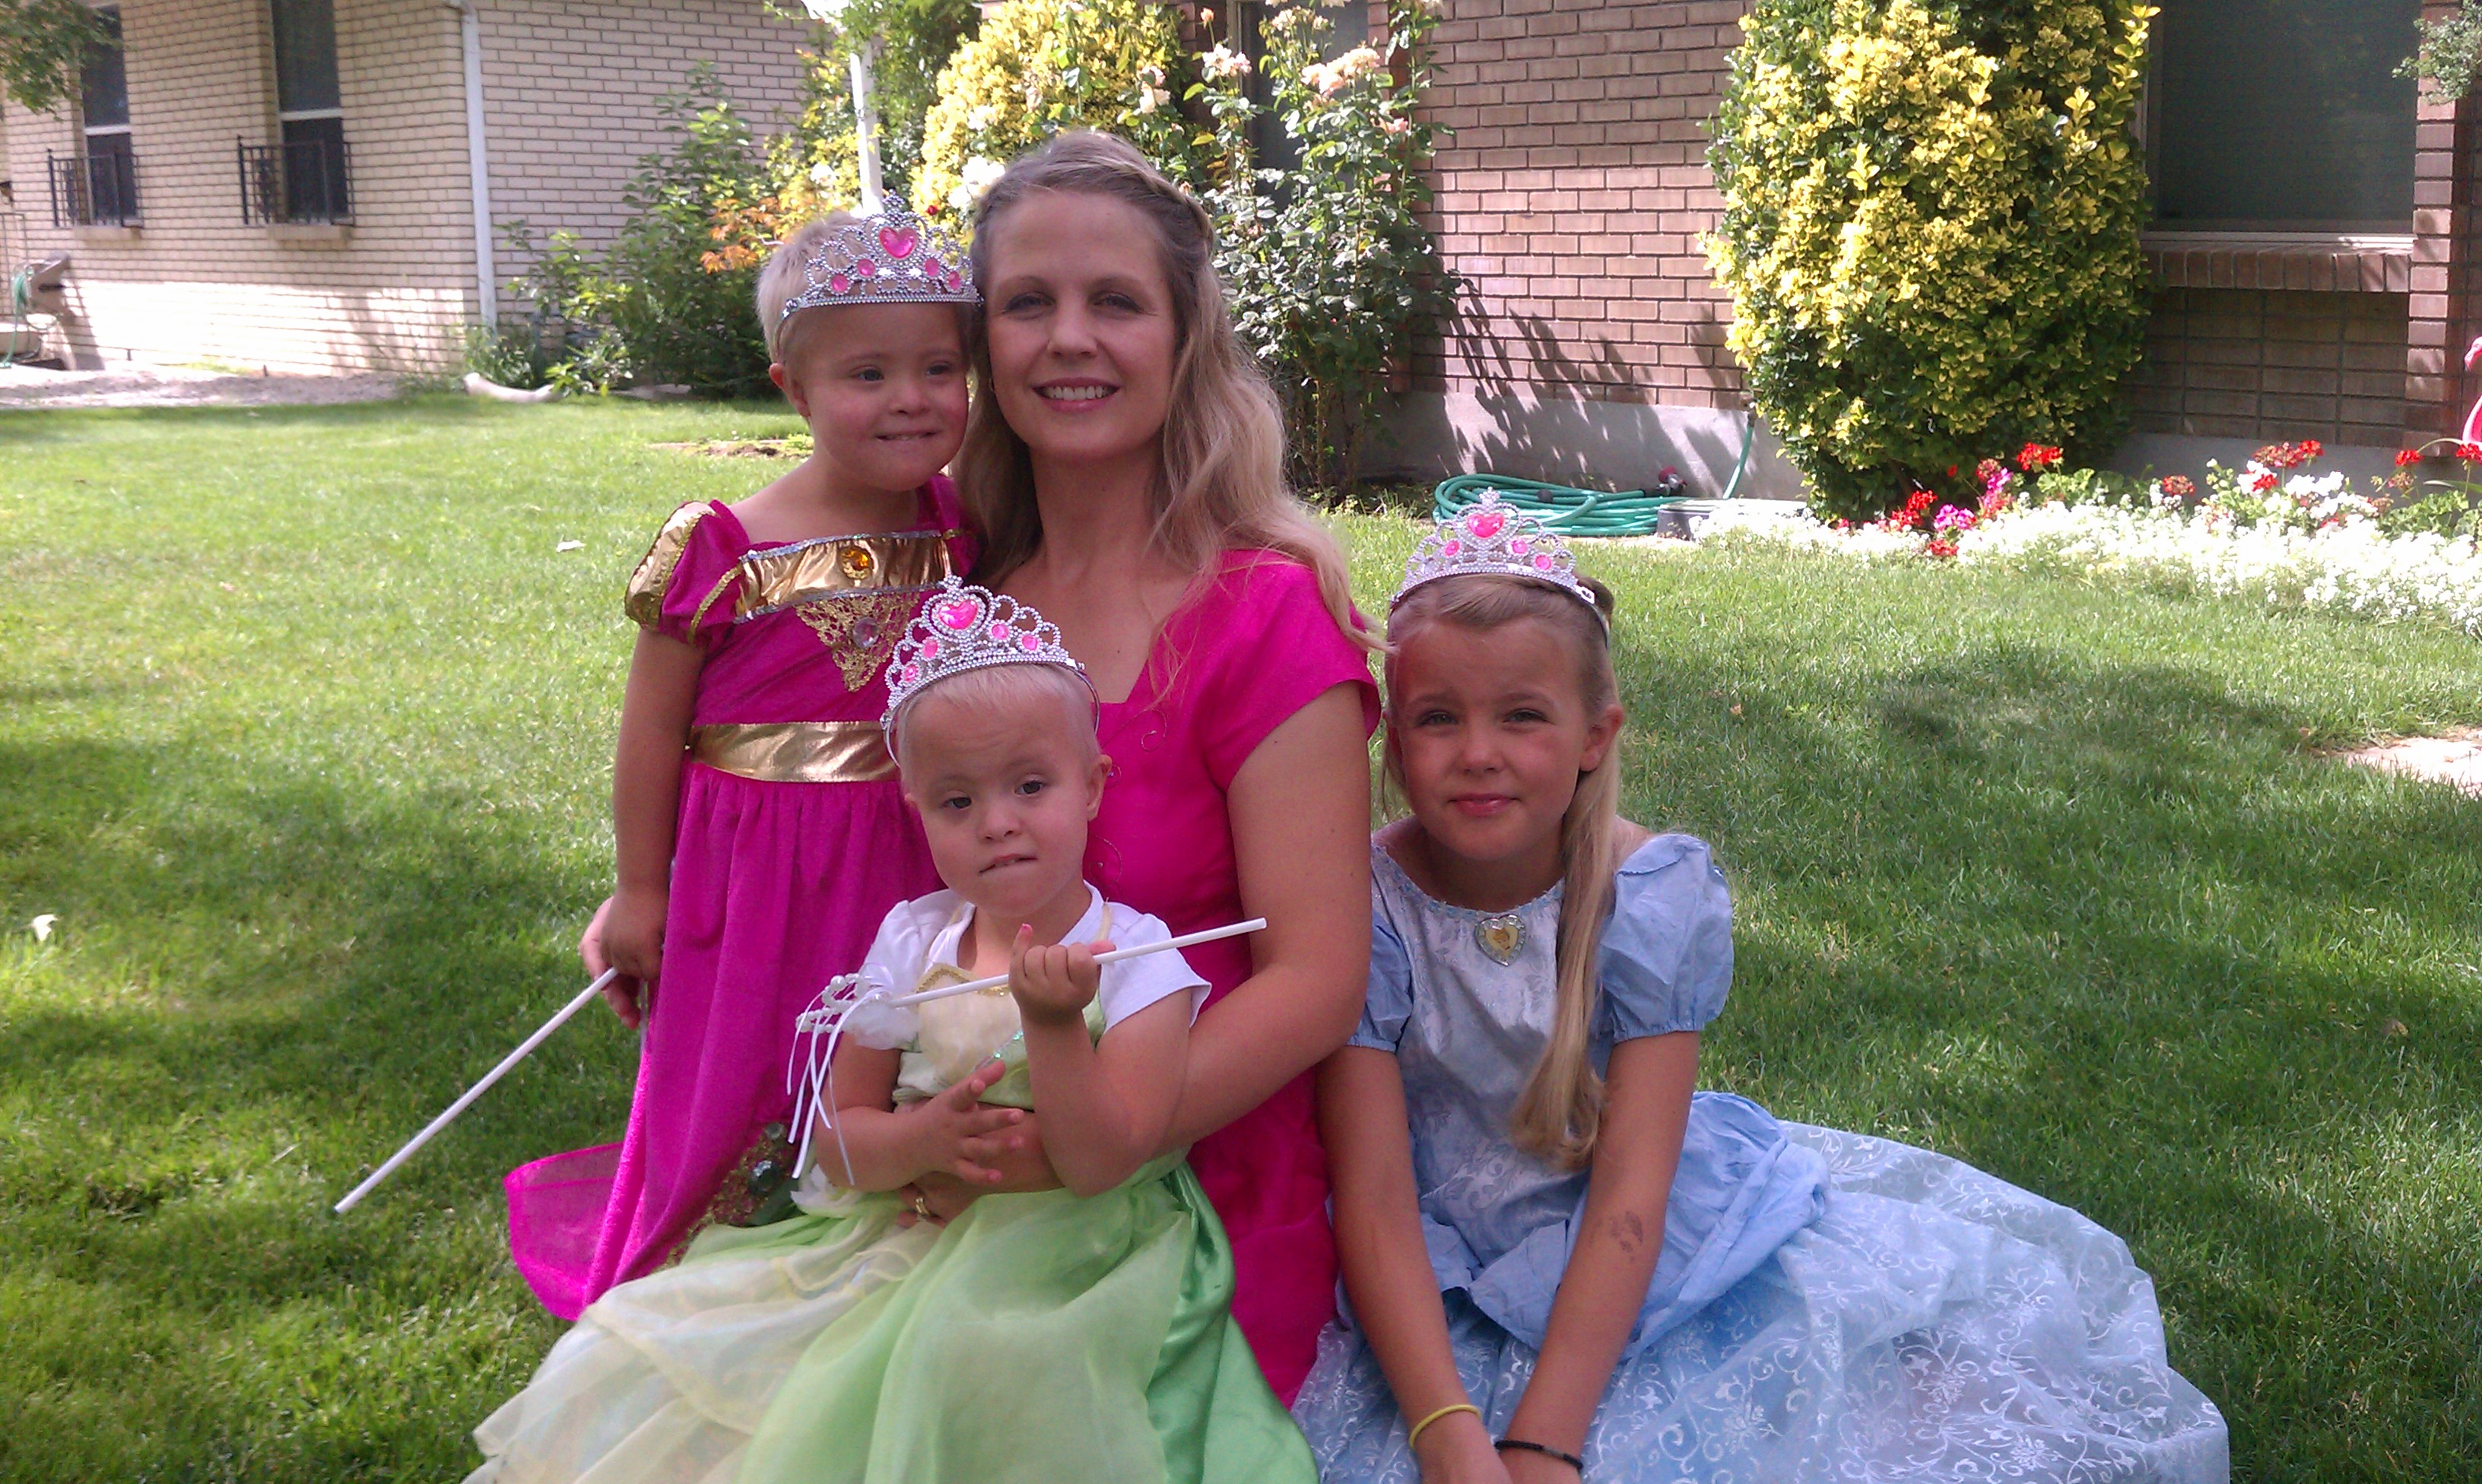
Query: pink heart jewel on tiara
(959, 616)
(1486, 524)
(897, 244)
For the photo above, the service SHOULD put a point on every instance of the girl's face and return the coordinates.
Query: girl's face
(1491, 732)
(883, 387)
(1005, 800)
(1081, 328)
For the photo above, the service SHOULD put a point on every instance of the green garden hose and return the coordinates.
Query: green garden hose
(1568, 511)
(1573, 512)
(21, 302)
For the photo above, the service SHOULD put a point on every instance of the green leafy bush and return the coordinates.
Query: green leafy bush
(1332, 270)
(816, 164)
(1040, 66)
(2450, 53)
(669, 301)
(1930, 222)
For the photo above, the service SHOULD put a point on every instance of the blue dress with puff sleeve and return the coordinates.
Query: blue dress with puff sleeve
(1826, 1306)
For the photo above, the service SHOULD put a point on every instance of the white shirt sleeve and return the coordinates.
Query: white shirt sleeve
(1134, 983)
(895, 961)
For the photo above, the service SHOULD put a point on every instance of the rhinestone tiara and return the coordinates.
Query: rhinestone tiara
(960, 628)
(1490, 540)
(889, 257)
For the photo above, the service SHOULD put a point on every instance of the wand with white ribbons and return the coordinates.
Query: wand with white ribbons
(524, 1050)
(818, 1092)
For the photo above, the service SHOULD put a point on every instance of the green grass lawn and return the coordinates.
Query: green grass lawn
(304, 730)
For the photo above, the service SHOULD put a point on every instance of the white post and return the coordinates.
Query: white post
(862, 59)
(867, 123)
(478, 161)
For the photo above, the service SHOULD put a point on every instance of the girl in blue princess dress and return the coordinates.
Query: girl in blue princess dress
(1560, 1260)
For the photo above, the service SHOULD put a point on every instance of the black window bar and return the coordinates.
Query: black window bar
(298, 181)
(94, 189)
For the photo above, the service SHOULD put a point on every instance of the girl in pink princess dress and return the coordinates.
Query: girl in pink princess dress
(760, 832)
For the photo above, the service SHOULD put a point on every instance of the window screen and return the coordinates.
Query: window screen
(104, 81)
(2283, 115)
(305, 56)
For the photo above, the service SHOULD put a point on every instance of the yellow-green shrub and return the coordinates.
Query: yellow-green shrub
(1039, 66)
(1930, 222)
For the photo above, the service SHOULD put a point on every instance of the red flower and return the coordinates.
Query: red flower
(2263, 483)
(1951, 471)
(1940, 548)
(2309, 449)
(2178, 487)
(2469, 453)
(2036, 455)
(2407, 456)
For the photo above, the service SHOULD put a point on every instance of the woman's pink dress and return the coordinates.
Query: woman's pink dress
(794, 842)
(1254, 647)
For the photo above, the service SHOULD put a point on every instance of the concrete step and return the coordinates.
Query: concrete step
(20, 340)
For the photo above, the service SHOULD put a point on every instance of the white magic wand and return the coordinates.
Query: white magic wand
(524, 1050)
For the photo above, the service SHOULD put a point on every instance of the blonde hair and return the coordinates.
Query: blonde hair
(1008, 690)
(783, 279)
(1560, 1112)
(1222, 484)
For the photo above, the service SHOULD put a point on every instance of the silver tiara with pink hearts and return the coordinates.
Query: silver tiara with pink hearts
(1490, 539)
(965, 628)
(889, 257)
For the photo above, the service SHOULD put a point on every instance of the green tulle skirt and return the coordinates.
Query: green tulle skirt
(1035, 1338)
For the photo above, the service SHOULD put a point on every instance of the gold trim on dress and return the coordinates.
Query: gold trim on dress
(644, 598)
(796, 751)
(860, 629)
(779, 577)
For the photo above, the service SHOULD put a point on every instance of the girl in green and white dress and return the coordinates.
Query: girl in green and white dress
(1071, 1334)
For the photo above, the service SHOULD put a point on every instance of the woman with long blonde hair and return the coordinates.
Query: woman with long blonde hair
(1123, 460)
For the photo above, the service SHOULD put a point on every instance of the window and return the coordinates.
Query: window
(99, 187)
(2281, 116)
(309, 112)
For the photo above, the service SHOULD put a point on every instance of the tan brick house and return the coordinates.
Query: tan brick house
(2314, 240)
(317, 185)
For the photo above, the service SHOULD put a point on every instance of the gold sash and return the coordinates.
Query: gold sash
(796, 751)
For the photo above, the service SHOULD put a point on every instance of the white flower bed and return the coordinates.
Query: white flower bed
(2349, 569)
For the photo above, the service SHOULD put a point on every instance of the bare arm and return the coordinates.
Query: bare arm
(646, 798)
(1106, 1107)
(1300, 810)
(1646, 1115)
(1387, 1267)
(888, 1148)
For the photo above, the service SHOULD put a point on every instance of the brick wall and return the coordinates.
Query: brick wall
(193, 281)
(2273, 364)
(1572, 196)
(571, 88)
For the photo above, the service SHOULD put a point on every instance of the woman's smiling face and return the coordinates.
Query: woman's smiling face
(1081, 328)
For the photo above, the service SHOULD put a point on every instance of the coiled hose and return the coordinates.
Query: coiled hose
(1573, 512)
(21, 304)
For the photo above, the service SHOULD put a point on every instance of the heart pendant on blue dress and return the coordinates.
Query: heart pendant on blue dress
(1500, 937)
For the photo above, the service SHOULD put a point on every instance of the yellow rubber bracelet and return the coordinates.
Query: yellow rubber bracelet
(1413, 1434)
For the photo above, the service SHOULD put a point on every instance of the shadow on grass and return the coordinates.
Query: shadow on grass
(2105, 930)
(244, 955)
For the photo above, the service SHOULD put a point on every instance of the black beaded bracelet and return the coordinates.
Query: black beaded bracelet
(1523, 1446)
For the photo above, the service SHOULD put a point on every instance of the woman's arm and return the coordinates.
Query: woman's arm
(645, 794)
(1646, 1115)
(1387, 1267)
(1300, 810)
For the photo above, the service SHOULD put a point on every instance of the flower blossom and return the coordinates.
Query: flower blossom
(2036, 455)
(980, 174)
(1223, 63)
(981, 116)
(1330, 78)
(2469, 453)
(2405, 457)
(1952, 518)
